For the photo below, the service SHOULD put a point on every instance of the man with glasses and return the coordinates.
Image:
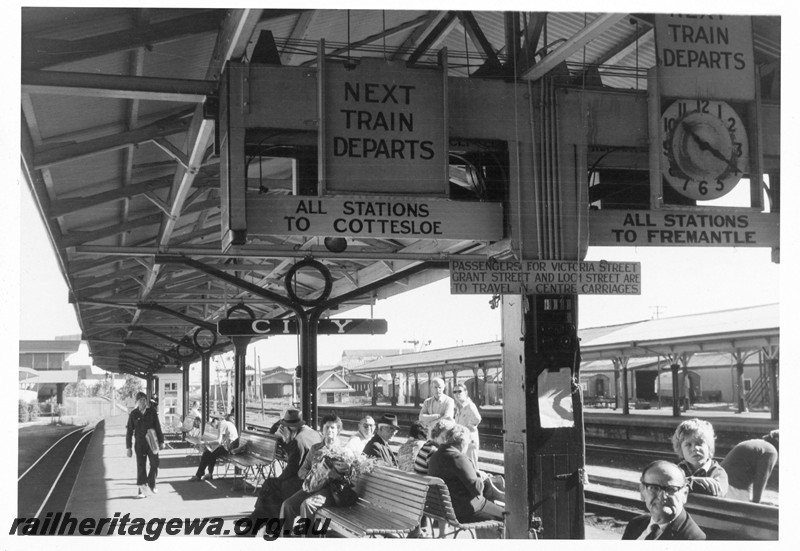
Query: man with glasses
(378, 446)
(366, 429)
(438, 405)
(664, 491)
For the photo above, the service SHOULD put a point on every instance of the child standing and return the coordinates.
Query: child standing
(693, 441)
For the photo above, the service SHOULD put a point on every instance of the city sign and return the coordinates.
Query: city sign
(243, 327)
(575, 277)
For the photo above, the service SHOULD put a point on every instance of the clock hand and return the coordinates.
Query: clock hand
(705, 146)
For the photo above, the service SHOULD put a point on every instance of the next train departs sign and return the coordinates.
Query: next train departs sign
(239, 327)
(384, 128)
(569, 277)
(706, 56)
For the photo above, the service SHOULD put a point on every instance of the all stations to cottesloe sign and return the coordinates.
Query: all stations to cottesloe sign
(481, 277)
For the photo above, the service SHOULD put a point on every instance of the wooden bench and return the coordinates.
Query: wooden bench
(206, 441)
(390, 504)
(258, 461)
(439, 507)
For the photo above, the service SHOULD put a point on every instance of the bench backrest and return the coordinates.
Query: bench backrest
(391, 489)
(439, 505)
(211, 432)
(263, 446)
(722, 518)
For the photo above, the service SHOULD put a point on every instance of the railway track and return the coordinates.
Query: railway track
(45, 486)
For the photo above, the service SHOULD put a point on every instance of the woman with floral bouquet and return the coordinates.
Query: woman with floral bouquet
(328, 469)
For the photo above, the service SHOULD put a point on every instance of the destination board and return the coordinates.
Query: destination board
(637, 228)
(374, 216)
(260, 327)
(570, 277)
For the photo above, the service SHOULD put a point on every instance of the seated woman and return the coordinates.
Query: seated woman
(417, 436)
(466, 486)
(366, 430)
(693, 441)
(315, 472)
(439, 433)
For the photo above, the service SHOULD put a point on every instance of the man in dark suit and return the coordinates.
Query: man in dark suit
(378, 446)
(664, 492)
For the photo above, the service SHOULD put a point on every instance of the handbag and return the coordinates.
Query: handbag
(343, 493)
(317, 478)
(152, 440)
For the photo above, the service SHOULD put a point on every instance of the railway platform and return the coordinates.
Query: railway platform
(106, 486)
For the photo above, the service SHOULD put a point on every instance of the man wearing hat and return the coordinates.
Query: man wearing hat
(298, 438)
(379, 445)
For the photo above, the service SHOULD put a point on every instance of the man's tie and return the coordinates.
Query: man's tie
(654, 530)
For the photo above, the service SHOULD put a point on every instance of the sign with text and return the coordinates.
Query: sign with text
(705, 56)
(372, 216)
(569, 277)
(384, 129)
(637, 228)
(239, 327)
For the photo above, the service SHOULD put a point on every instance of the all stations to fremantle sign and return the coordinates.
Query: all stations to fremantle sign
(637, 228)
(481, 277)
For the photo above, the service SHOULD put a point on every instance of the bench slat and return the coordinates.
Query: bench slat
(391, 502)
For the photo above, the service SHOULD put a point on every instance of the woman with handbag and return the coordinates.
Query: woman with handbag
(317, 472)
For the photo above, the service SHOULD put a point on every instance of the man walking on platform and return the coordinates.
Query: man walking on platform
(144, 424)
(437, 406)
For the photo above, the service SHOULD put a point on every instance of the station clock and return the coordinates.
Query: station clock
(705, 148)
(205, 338)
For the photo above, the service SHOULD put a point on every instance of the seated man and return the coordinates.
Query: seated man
(298, 439)
(664, 490)
(379, 445)
(228, 440)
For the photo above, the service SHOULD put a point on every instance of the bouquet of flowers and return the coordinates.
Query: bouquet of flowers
(348, 463)
(344, 468)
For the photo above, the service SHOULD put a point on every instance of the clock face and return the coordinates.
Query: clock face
(205, 338)
(704, 153)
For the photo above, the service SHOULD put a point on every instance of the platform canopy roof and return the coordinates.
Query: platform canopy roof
(646, 343)
(118, 147)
